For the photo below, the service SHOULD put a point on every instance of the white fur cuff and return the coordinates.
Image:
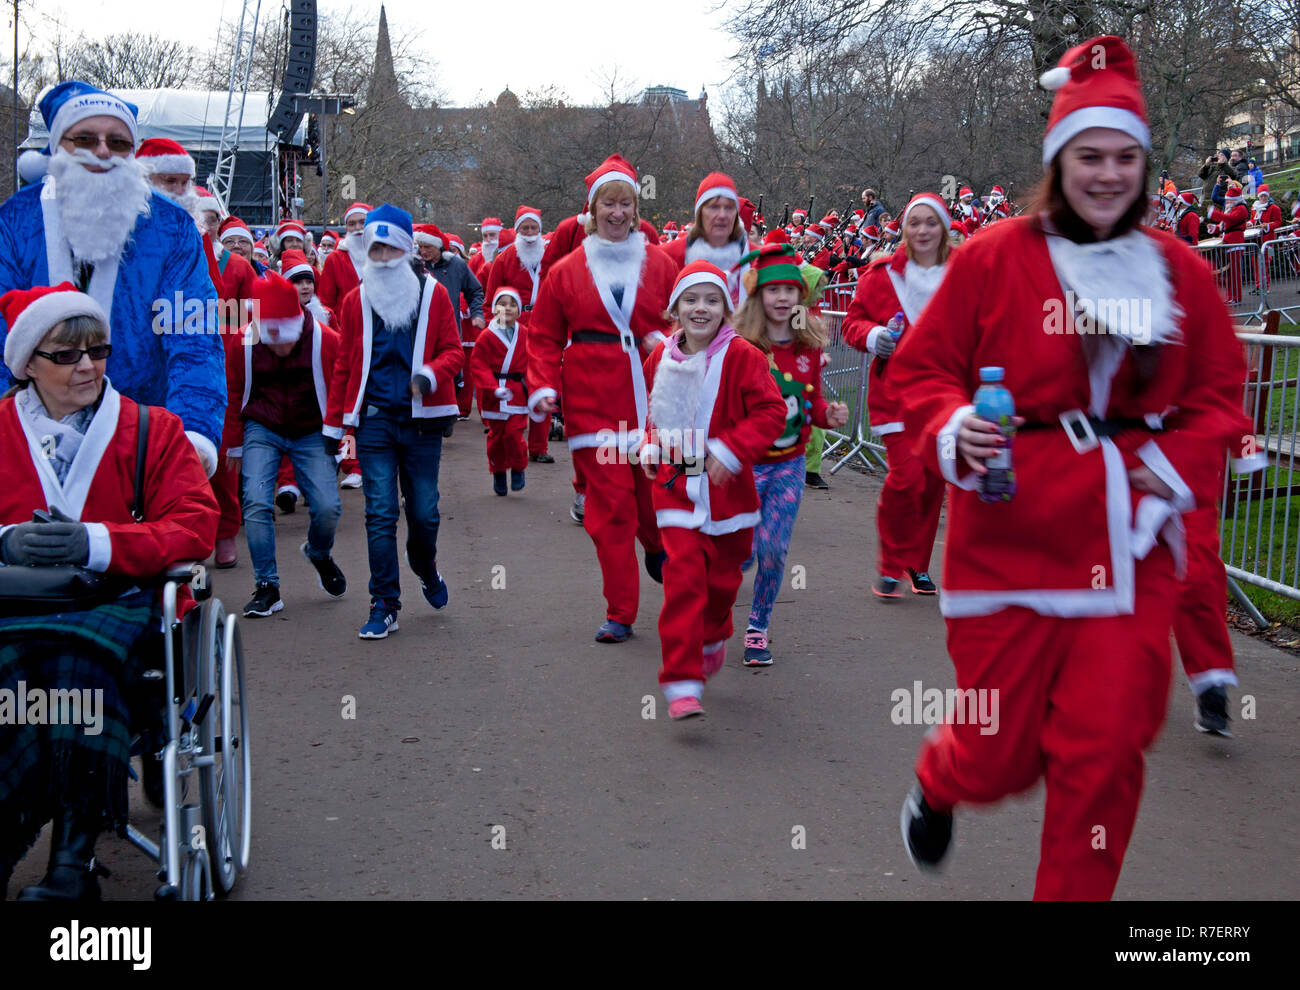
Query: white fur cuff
(206, 451)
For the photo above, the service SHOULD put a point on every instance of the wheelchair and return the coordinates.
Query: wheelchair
(206, 828)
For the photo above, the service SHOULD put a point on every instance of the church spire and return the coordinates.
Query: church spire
(383, 80)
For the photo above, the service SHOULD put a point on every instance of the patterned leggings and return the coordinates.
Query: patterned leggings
(780, 490)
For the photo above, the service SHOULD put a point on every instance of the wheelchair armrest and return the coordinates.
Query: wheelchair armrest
(182, 572)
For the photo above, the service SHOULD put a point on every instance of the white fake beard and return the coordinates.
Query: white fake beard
(393, 291)
(318, 310)
(352, 243)
(98, 209)
(615, 262)
(530, 251)
(675, 398)
(489, 251)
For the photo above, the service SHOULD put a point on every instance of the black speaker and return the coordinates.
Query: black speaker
(299, 69)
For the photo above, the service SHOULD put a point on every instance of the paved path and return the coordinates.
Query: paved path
(520, 720)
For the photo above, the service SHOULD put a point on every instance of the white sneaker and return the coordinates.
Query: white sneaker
(578, 509)
(351, 481)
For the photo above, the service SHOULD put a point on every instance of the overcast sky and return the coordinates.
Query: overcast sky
(479, 46)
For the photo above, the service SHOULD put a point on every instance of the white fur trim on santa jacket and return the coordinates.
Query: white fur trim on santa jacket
(730, 405)
(1066, 544)
(437, 348)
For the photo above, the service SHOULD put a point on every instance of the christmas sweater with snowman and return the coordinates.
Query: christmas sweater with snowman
(797, 369)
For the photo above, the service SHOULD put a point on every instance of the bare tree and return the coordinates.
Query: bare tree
(135, 61)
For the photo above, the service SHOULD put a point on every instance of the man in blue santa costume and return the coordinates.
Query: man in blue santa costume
(95, 221)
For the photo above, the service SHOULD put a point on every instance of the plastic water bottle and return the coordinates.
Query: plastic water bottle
(895, 325)
(994, 403)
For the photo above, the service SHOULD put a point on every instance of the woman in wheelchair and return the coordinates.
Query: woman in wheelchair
(68, 442)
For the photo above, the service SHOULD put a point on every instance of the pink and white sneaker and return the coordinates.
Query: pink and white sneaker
(757, 653)
(687, 707)
(715, 655)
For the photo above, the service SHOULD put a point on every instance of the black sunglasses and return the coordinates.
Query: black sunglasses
(89, 142)
(97, 352)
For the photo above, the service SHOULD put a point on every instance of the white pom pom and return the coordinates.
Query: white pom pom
(1054, 79)
(448, 255)
(32, 166)
(502, 393)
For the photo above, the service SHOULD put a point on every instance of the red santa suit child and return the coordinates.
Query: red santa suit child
(718, 235)
(714, 410)
(341, 272)
(1061, 599)
(1232, 225)
(907, 513)
(1187, 222)
(520, 267)
(599, 313)
(496, 370)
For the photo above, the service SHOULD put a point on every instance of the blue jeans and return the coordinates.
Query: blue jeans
(392, 451)
(316, 473)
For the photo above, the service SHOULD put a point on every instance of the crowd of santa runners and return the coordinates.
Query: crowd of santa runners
(682, 369)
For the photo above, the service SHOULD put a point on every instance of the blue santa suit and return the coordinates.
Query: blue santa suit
(160, 357)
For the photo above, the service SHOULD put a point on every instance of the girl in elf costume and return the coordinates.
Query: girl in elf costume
(774, 320)
(714, 410)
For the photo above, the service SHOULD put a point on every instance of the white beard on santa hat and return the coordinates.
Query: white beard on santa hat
(393, 291)
(98, 209)
(530, 250)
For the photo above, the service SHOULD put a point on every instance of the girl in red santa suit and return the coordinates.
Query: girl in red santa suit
(714, 410)
(496, 370)
(70, 443)
(599, 312)
(907, 513)
(718, 234)
(1061, 599)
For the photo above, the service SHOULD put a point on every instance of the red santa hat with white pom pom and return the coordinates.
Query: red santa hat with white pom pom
(1096, 85)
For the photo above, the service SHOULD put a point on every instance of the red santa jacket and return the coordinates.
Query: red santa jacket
(508, 270)
(1269, 218)
(1234, 222)
(498, 362)
(738, 414)
(180, 511)
(478, 266)
(1189, 227)
(437, 345)
(879, 295)
(324, 345)
(601, 380)
(338, 278)
(1066, 544)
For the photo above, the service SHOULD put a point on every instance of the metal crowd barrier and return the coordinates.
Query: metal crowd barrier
(1256, 278)
(844, 379)
(1259, 523)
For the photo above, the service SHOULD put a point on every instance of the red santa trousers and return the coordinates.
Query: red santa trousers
(225, 486)
(1200, 625)
(618, 513)
(1078, 702)
(538, 435)
(907, 513)
(465, 391)
(506, 448)
(701, 578)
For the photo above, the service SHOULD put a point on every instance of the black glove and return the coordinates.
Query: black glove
(331, 445)
(36, 544)
(423, 384)
(833, 260)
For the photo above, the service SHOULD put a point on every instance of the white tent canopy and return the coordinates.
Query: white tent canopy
(191, 117)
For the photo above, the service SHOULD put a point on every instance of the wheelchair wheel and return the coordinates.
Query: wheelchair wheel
(196, 880)
(222, 735)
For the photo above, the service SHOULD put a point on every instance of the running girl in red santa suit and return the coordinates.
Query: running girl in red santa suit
(599, 312)
(718, 234)
(714, 410)
(496, 370)
(907, 513)
(1061, 598)
(772, 320)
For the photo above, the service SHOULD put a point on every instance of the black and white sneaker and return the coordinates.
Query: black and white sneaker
(1212, 712)
(266, 600)
(926, 833)
(332, 581)
(578, 509)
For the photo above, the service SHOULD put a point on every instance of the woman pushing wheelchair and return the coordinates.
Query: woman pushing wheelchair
(72, 495)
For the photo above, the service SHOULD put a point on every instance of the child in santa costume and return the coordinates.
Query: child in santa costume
(519, 266)
(773, 320)
(278, 399)
(497, 371)
(714, 409)
(1061, 599)
(395, 383)
(70, 444)
(1187, 222)
(907, 513)
(599, 312)
(341, 272)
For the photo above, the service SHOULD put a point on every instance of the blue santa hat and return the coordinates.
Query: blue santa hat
(391, 225)
(66, 104)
